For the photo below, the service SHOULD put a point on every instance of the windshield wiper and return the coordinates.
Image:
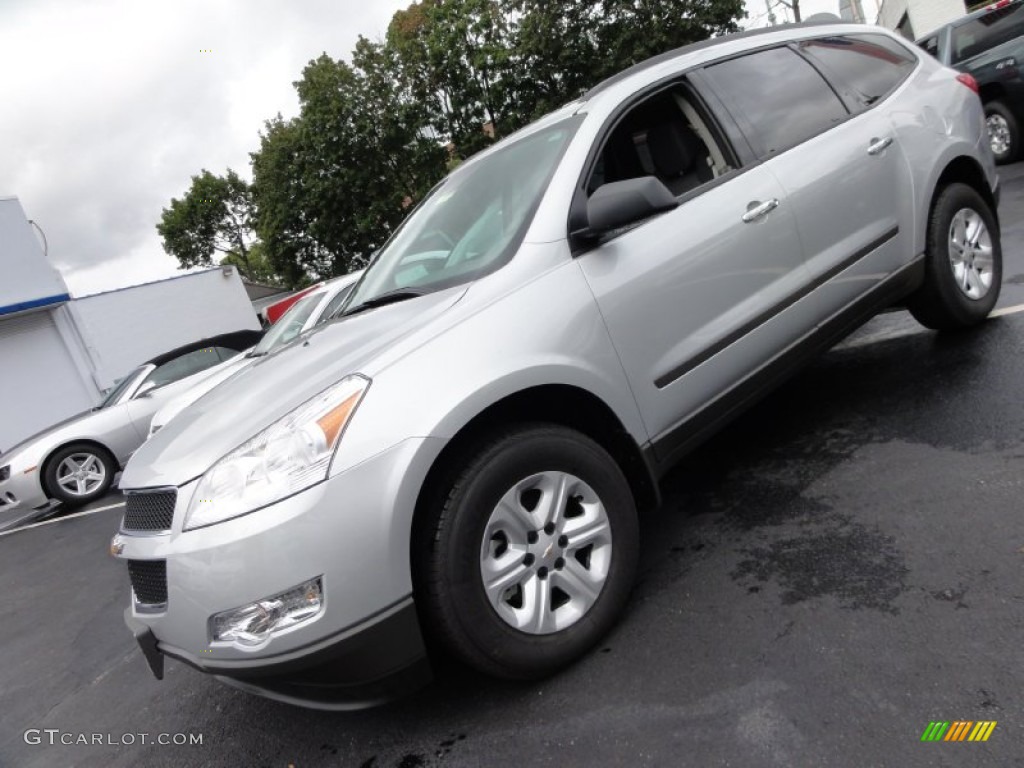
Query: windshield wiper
(389, 297)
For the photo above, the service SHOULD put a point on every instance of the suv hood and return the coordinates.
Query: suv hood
(271, 386)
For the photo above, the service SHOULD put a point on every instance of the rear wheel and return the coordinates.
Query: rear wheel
(963, 262)
(1003, 132)
(79, 473)
(530, 558)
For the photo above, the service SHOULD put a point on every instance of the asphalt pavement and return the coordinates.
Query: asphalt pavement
(839, 568)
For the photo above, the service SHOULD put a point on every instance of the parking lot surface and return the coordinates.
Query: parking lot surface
(839, 568)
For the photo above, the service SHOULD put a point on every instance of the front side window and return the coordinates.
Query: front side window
(471, 223)
(667, 137)
(872, 65)
(985, 32)
(781, 96)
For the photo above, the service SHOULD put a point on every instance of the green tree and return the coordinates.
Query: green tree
(214, 216)
(454, 58)
(332, 183)
(564, 48)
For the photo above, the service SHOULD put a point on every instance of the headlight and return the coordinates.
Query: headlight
(290, 455)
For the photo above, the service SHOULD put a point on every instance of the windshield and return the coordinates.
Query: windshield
(471, 222)
(289, 326)
(121, 385)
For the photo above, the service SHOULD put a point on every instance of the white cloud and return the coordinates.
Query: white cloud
(109, 107)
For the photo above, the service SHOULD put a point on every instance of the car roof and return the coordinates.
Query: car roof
(237, 340)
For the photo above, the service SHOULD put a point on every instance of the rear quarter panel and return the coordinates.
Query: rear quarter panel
(938, 120)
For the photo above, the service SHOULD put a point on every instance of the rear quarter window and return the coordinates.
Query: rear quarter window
(872, 66)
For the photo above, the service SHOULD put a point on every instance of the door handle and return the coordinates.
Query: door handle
(756, 210)
(878, 146)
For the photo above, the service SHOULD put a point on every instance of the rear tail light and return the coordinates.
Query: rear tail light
(969, 81)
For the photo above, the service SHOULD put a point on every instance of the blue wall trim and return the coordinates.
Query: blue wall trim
(35, 304)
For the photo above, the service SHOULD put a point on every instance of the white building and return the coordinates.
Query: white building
(916, 18)
(58, 353)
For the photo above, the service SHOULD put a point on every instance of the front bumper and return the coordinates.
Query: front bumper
(22, 498)
(352, 531)
(378, 661)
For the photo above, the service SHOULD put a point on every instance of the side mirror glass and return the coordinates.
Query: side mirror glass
(621, 203)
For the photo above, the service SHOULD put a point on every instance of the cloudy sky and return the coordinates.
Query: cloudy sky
(110, 106)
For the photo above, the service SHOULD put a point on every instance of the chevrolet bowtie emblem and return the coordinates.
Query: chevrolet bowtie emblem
(116, 546)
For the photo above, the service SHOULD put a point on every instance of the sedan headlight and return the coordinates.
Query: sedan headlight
(290, 455)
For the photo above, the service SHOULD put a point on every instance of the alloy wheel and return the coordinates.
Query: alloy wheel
(970, 253)
(81, 473)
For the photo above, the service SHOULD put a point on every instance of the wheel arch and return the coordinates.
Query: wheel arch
(992, 92)
(965, 170)
(44, 465)
(562, 404)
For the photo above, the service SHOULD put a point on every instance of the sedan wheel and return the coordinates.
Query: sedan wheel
(81, 474)
(78, 473)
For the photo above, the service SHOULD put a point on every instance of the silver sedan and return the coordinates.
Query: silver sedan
(75, 461)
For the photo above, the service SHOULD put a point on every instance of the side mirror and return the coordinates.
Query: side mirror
(626, 202)
(146, 389)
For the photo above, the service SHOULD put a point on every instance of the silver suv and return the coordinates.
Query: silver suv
(460, 458)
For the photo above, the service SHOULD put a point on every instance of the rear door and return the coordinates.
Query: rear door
(849, 184)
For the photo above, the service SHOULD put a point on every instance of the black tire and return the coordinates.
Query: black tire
(450, 586)
(940, 303)
(1007, 121)
(51, 482)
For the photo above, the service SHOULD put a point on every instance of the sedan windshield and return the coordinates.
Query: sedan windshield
(289, 326)
(122, 385)
(470, 224)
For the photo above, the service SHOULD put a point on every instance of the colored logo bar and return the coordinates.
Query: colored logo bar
(959, 730)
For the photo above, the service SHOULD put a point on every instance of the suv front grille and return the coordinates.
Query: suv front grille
(149, 581)
(149, 511)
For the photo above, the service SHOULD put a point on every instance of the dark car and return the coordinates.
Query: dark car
(989, 45)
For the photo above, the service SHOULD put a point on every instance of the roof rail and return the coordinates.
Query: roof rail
(819, 19)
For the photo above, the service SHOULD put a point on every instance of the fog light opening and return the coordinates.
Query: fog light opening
(254, 624)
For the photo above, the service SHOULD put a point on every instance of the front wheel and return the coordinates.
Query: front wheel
(79, 473)
(1003, 132)
(531, 556)
(963, 262)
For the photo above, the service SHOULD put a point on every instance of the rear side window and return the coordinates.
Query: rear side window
(871, 65)
(781, 98)
(988, 31)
